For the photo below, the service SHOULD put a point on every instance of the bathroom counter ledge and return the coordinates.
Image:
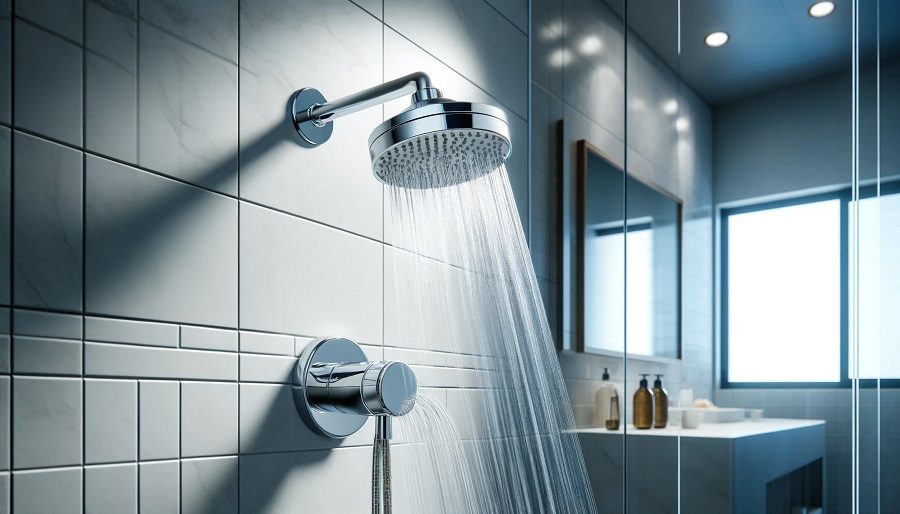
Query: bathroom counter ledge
(717, 430)
(723, 468)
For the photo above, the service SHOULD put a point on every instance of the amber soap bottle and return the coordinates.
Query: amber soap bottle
(661, 404)
(643, 405)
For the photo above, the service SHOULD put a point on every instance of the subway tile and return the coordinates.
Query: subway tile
(47, 324)
(6, 70)
(5, 205)
(110, 81)
(259, 342)
(160, 486)
(47, 422)
(341, 45)
(5, 344)
(267, 368)
(160, 407)
(4, 422)
(4, 493)
(46, 356)
(210, 485)
(302, 278)
(57, 490)
(212, 26)
(188, 111)
(47, 67)
(135, 361)
(111, 330)
(111, 425)
(270, 423)
(209, 419)
(278, 482)
(490, 49)
(159, 249)
(48, 224)
(60, 16)
(111, 489)
(201, 338)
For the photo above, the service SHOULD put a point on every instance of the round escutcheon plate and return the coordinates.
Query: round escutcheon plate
(335, 425)
(311, 133)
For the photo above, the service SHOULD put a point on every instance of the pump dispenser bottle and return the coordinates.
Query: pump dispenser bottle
(602, 399)
(643, 405)
(661, 404)
(612, 423)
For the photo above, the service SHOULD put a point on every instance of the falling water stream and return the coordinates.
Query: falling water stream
(500, 440)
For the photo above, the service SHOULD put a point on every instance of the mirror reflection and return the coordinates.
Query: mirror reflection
(642, 250)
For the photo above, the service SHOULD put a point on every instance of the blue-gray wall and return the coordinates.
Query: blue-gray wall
(794, 139)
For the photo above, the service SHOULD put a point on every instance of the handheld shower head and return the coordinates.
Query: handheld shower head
(437, 142)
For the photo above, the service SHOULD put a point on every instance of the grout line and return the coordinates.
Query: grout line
(137, 446)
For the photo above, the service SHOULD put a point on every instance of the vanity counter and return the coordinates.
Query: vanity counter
(717, 430)
(744, 467)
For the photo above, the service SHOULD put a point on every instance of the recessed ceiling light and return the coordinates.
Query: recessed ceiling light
(821, 9)
(716, 39)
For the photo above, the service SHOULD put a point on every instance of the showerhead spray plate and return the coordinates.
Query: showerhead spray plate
(439, 143)
(312, 132)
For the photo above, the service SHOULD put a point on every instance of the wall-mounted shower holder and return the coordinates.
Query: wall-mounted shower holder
(336, 389)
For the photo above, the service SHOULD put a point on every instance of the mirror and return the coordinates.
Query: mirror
(643, 251)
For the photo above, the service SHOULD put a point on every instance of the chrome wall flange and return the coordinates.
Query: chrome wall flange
(336, 389)
(311, 130)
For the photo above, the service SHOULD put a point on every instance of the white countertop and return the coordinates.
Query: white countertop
(716, 430)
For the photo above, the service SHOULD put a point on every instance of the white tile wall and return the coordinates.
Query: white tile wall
(167, 248)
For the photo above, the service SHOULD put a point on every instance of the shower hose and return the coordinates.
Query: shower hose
(381, 473)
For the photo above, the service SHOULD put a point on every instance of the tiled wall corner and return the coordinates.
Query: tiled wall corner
(171, 249)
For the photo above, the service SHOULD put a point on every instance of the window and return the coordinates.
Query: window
(784, 293)
(879, 287)
(785, 288)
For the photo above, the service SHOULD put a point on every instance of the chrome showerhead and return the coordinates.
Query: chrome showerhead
(439, 142)
(435, 143)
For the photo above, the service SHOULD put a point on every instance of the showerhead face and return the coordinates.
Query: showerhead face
(439, 143)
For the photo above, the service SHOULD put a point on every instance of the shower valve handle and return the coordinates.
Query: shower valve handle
(336, 390)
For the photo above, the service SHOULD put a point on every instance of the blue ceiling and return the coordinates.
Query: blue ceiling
(772, 42)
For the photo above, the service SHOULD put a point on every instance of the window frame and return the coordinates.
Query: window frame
(844, 195)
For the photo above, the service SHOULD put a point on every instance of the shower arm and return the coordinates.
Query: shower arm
(319, 114)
